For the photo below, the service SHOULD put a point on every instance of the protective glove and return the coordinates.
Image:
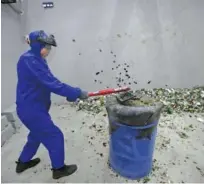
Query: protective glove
(84, 95)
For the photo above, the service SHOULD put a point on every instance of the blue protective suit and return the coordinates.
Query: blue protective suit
(34, 88)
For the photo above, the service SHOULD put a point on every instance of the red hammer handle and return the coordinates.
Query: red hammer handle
(109, 91)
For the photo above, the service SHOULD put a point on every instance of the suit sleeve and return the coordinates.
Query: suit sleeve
(45, 77)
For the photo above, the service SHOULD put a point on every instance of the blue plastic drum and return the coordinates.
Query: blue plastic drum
(131, 149)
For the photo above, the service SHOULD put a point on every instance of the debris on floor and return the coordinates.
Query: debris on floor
(174, 100)
(177, 148)
(93, 105)
(200, 120)
(179, 100)
(176, 159)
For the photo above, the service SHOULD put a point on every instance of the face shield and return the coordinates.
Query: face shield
(46, 39)
(39, 39)
(51, 52)
(50, 44)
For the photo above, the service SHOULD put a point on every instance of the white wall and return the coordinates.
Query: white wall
(13, 27)
(162, 41)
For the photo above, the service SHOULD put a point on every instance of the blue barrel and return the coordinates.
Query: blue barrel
(131, 154)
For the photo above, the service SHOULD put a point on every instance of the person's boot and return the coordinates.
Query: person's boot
(22, 166)
(66, 170)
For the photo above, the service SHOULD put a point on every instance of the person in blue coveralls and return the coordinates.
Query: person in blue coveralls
(34, 87)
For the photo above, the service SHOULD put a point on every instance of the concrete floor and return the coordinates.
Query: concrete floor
(179, 156)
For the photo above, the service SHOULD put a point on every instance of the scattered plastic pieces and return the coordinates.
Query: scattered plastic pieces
(174, 100)
(200, 120)
(178, 100)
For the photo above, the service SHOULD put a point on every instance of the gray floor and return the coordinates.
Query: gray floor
(179, 156)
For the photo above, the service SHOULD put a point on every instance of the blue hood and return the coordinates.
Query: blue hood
(35, 45)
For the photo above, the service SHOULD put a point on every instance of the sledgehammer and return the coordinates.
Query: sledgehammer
(108, 91)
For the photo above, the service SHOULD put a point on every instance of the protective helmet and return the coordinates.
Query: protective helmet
(46, 39)
(41, 37)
